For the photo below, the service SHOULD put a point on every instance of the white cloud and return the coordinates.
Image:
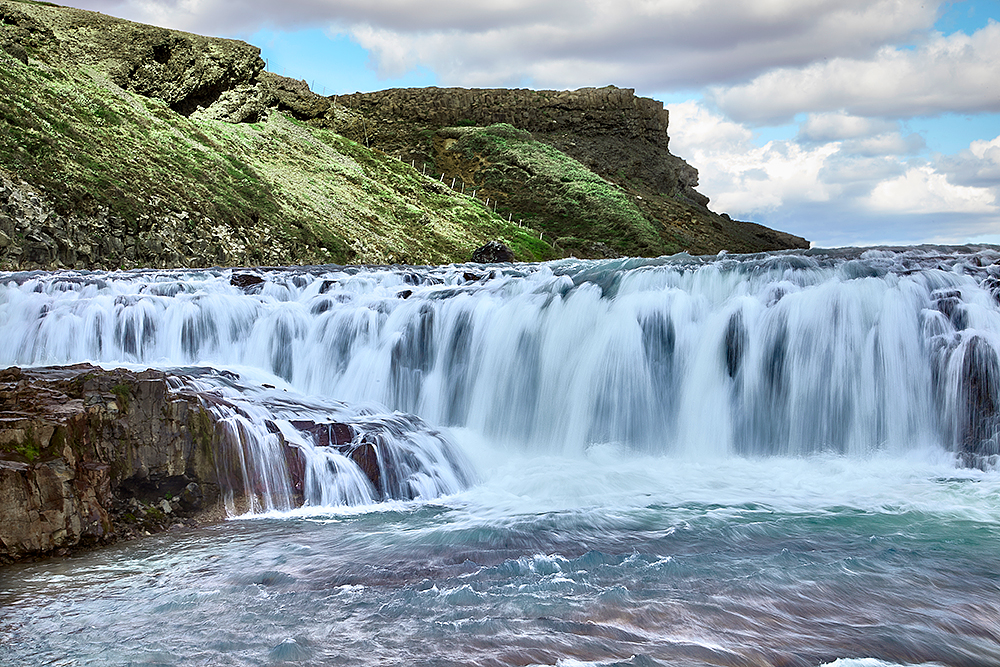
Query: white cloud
(740, 177)
(645, 44)
(979, 165)
(923, 190)
(821, 127)
(849, 192)
(955, 73)
(888, 143)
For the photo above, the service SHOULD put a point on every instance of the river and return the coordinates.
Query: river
(778, 459)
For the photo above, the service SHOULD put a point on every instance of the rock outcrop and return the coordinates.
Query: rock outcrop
(143, 164)
(620, 137)
(492, 253)
(610, 130)
(191, 73)
(89, 456)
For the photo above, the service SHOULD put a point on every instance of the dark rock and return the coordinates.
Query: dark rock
(296, 464)
(192, 498)
(365, 455)
(493, 252)
(404, 294)
(737, 341)
(992, 285)
(246, 281)
(979, 408)
(949, 303)
(330, 434)
(470, 277)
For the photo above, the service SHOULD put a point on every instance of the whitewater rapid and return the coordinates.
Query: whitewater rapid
(779, 459)
(792, 353)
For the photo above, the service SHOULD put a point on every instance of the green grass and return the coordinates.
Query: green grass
(273, 192)
(555, 193)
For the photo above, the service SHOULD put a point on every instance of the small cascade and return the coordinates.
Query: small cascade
(789, 354)
(280, 450)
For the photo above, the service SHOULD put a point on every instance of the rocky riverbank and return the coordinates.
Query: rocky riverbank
(90, 456)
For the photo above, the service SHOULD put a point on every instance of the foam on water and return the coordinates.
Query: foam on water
(779, 354)
(780, 459)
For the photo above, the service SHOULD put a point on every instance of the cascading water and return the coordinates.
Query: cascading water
(782, 354)
(287, 450)
(756, 460)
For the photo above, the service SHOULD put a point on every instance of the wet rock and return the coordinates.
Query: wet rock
(493, 252)
(979, 418)
(992, 285)
(247, 282)
(949, 303)
(89, 456)
(332, 434)
(737, 341)
(365, 455)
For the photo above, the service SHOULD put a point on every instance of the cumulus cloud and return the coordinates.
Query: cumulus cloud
(979, 165)
(863, 190)
(954, 73)
(646, 44)
(923, 190)
(822, 127)
(741, 177)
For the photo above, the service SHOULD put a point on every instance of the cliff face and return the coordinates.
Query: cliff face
(619, 137)
(124, 145)
(88, 456)
(609, 130)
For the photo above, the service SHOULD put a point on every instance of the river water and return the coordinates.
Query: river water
(784, 459)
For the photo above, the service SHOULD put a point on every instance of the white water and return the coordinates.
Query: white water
(782, 354)
(729, 461)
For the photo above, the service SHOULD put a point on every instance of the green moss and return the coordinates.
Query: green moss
(280, 191)
(124, 394)
(27, 448)
(155, 514)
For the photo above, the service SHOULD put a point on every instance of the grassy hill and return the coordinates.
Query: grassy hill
(124, 145)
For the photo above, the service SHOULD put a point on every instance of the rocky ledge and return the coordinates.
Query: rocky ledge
(89, 456)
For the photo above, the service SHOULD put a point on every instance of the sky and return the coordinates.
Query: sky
(847, 122)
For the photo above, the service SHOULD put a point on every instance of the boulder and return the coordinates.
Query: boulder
(493, 252)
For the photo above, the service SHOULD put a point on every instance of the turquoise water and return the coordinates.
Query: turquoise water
(782, 459)
(796, 562)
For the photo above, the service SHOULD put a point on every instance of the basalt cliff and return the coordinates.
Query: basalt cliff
(125, 145)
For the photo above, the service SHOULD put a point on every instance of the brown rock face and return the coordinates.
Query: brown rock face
(592, 125)
(88, 456)
(618, 136)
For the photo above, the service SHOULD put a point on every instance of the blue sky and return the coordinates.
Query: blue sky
(848, 122)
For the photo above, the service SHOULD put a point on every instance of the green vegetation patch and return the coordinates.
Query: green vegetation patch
(557, 194)
(279, 190)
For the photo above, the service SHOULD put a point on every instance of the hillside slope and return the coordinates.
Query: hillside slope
(110, 158)
(124, 145)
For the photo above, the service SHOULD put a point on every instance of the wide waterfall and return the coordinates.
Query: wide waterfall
(779, 459)
(849, 352)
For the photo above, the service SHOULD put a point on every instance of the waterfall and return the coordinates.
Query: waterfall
(849, 352)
